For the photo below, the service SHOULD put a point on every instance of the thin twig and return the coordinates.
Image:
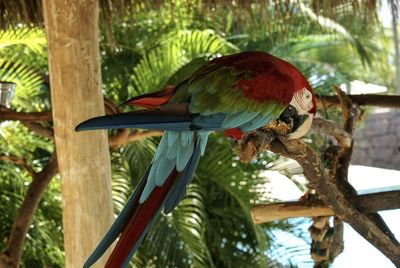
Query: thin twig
(39, 129)
(123, 137)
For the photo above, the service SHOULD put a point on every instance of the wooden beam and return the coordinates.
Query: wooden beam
(364, 203)
(83, 158)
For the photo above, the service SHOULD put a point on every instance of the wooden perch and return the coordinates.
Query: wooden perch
(389, 101)
(330, 194)
(322, 126)
(364, 203)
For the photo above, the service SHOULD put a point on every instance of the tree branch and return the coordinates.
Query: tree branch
(12, 254)
(390, 101)
(6, 114)
(325, 127)
(364, 203)
(329, 193)
(39, 129)
(19, 162)
(122, 137)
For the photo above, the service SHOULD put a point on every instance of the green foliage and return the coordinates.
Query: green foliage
(20, 50)
(44, 242)
(158, 65)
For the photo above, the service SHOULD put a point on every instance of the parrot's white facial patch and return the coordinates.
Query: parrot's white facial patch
(302, 100)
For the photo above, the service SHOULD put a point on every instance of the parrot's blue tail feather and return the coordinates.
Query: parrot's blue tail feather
(178, 191)
(119, 224)
(146, 120)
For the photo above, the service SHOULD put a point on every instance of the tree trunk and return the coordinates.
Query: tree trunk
(84, 161)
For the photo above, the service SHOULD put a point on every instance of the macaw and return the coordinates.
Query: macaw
(235, 94)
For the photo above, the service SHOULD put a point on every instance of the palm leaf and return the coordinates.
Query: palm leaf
(157, 66)
(31, 38)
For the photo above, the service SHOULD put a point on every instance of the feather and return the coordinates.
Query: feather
(186, 137)
(172, 137)
(138, 224)
(177, 192)
(119, 224)
(203, 138)
(237, 119)
(183, 155)
(152, 100)
(259, 121)
(164, 166)
(147, 119)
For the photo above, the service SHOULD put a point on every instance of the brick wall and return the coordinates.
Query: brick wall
(377, 142)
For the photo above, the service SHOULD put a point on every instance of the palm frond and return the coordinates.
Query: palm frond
(43, 244)
(29, 83)
(31, 38)
(157, 66)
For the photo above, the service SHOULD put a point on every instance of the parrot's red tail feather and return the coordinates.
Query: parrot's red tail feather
(152, 100)
(138, 223)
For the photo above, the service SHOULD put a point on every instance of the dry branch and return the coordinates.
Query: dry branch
(364, 203)
(6, 114)
(389, 101)
(122, 137)
(19, 162)
(12, 254)
(329, 193)
(39, 129)
(325, 127)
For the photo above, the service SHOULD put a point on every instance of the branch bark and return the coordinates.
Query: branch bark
(39, 129)
(6, 114)
(325, 127)
(364, 203)
(18, 161)
(329, 193)
(123, 136)
(389, 101)
(12, 255)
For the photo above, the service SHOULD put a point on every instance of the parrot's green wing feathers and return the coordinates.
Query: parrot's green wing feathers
(215, 90)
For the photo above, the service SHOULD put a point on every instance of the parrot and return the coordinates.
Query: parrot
(234, 94)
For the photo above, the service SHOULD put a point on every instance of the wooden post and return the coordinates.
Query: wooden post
(84, 161)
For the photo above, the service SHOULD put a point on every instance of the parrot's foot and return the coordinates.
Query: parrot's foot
(254, 142)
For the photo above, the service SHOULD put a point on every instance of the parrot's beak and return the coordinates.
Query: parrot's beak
(300, 124)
